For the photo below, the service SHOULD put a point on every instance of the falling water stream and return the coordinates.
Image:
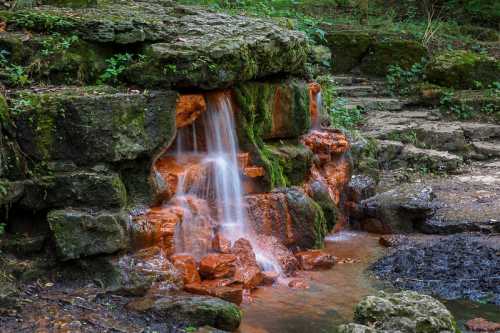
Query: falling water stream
(216, 201)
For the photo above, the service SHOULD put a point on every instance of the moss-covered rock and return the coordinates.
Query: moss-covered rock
(80, 234)
(82, 188)
(295, 160)
(407, 311)
(13, 48)
(348, 48)
(271, 111)
(184, 46)
(372, 50)
(198, 311)
(89, 126)
(463, 70)
(320, 193)
(289, 215)
(392, 51)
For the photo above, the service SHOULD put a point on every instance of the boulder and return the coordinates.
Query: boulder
(482, 325)
(198, 311)
(81, 188)
(355, 328)
(283, 258)
(371, 50)
(221, 244)
(80, 234)
(315, 260)
(186, 265)
(462, 69)
(399, 210)
(248, 271)
(392, 51)
(289, 215)
(223, 289)
(89, 126)
(295, 160)
(348, 48)
(404, 312)
(217, 266)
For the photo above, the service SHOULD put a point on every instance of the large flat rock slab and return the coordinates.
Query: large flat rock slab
(182, 46)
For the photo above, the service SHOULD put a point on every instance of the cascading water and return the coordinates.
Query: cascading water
(209, 190)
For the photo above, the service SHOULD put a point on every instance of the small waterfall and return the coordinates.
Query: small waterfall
(209, 190)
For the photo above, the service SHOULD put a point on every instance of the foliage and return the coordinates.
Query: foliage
(458, 109)
(117, 64)
(2, 228)
(40, 21)
(57, 43)
(401, 81)
(18, 76)
(340, 115)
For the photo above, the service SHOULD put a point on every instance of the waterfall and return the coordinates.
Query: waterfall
(209, 190)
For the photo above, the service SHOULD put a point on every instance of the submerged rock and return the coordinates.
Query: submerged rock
(453, 267)
(482, 325)
(407, 312)
(315, 260)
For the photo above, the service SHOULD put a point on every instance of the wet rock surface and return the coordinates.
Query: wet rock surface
(402, 209)
(400, 312)
(482, 325)
(455, 267)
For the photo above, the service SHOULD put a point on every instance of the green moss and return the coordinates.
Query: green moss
(463, 70)
(392, 51)
(348, 48)
(36, 20)
(320, 225)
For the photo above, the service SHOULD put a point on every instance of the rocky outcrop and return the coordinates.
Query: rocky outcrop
(182, 46)
(198, 311)
(289, 215)
(403, 209)
(472, 268)
(400, 312)
(315, 260)
(79, 234)
(462, 70)
(372, 51)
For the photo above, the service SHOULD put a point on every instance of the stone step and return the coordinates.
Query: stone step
(357, 91)
(346, 80)
(395, 154)
(254, 172)
(376, 103)
(488, 149)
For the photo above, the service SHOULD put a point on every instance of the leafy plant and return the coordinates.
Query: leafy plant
(448, 104)
(18, 76)
(2, 228)
(4, 61)
(56, 44)
(40, 21)
(117, 64)
(401, 81)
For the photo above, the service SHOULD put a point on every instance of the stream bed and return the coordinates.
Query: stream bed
(330, 299)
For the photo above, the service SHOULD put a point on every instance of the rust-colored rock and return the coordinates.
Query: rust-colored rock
(391, 240)
(326, 143)
(188, 109)
(229, 292)
(248, 271)
(269, 278)
(298, 284)
(315, 260)
(217, 266)
(221, 244)
(156, 228)
(171, 168)
(482, 325)
(186, 265)
(254, 172)
(314, 90)
(284, 257)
